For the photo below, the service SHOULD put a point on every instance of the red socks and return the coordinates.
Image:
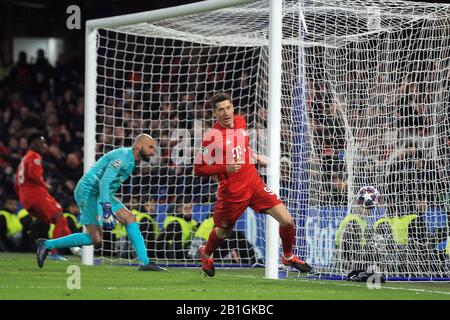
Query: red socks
(213, 242)
(61, 228)
(287, 235)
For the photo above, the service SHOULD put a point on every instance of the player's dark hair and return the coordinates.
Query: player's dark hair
(34, 136)
(7, 198)
(219, 97)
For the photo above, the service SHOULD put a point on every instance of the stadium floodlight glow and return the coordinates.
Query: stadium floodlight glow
(340, 94)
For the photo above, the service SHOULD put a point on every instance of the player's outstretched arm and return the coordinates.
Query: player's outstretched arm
(204, 162)
(209, 170)
(202, 168)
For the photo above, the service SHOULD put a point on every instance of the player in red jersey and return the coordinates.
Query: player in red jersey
(33, 191)
(226, 153)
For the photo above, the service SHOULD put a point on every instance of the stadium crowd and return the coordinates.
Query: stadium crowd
(50, 99)
(39, 96)
(397, 122)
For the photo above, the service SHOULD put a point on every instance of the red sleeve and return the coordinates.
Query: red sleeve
(34, 172)
(202, 165)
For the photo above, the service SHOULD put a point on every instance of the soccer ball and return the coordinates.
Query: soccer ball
(368, 197)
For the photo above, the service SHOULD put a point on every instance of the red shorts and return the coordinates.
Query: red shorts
(43, 207)
(227, 213)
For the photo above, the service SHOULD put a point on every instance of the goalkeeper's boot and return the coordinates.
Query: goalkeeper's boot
(207, 263)
(41, 252)
(151, 266)
(296, 263)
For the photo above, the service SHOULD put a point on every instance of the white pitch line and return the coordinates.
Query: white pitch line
(350, 284)
(382, 286)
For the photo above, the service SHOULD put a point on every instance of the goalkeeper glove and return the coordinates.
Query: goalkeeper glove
(109, 219)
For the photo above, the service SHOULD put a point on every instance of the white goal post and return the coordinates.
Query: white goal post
(91, 95)
(339, 94)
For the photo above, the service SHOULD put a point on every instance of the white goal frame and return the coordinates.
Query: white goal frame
(342, 95)
(273, 172)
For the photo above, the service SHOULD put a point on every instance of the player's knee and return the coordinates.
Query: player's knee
(130, 219)
(287, 221)
(125, 216)
(284, 217)
(96, 241)
(59, 218)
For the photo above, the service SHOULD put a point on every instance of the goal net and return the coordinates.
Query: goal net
(365, 101)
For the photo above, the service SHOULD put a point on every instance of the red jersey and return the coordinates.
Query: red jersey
(29, 176)
(222, 146)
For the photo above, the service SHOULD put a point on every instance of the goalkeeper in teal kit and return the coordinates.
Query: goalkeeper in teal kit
(99, 207)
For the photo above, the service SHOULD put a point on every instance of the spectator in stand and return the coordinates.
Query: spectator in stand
(43, 71)
(237, 249)
(73, 167)
(339, 189)
(4, 67)
(27, 105)
(27, 118)
(10, 226)
(179, 228)
(62, 75)
(14, 227)
(21, 76)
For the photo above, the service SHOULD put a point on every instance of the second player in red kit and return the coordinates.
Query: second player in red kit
(226, 153)
(33, 191)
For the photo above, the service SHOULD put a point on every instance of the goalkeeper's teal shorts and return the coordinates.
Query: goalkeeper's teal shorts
(90, 208)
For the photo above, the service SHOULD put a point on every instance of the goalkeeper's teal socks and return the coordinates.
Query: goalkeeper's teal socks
(83, 239)
(73, 240)
(135, 236)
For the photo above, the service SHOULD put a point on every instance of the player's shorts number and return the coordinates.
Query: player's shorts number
(266, 189)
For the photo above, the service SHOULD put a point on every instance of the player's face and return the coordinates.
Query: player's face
(41, 146)
(224, 113)
(187, 208)
(11, 205)
(150, 206)
(148, 149)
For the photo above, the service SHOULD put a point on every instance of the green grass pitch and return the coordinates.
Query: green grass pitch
(22, 279)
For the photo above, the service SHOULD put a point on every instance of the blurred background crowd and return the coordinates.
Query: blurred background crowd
(168, 90)
(41, 97)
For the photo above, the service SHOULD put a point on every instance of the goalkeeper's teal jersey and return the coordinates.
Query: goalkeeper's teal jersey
(106, 176)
